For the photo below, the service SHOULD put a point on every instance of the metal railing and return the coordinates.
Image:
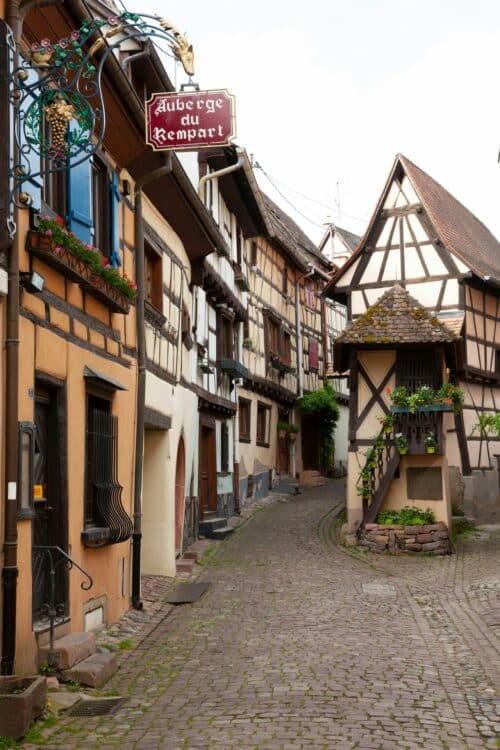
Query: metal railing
(51, 607)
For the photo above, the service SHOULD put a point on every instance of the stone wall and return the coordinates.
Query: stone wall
(432, 538)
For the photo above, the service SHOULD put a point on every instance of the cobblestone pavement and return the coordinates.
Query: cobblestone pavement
(301, 644)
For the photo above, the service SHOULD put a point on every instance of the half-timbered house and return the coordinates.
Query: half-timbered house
(424, 239)
(77, 381)
(312, 359)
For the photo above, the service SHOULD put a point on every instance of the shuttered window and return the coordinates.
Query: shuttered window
(313, 354)
(244, 415)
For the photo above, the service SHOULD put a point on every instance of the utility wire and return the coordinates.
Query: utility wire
(273, 182)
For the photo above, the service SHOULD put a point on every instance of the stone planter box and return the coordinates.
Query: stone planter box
(22, 700)
(431, 539)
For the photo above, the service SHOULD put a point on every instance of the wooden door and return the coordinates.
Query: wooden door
(284, 454)
(49, 523)
(208, 470)
(310, 444)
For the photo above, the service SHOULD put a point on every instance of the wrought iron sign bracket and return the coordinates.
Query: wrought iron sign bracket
(56, 99)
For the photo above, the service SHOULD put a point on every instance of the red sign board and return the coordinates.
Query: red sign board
(189, 121)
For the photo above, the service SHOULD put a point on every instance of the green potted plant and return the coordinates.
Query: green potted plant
(292, 432)
(452, 395)
(430, 443)
(401, 443)
(248, 343)
(399, 396)
(283, 428)
(387, 423)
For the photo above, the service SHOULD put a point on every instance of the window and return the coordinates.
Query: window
(153, 278)
(310, 299)
(98, 452)
(224, 448)
(103, 507)
(238, 247)
(284, 287)
(253, 254)
(244, 415)
(313, 354)
(55, 192)
(418, 367)
(101, 206)
(287, 348)
(226, 337)
(263, 424)
(274, 336)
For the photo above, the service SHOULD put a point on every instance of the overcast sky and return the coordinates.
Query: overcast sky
(328, 91)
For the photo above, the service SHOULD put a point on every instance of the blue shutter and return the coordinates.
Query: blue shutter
(33, 186)
(80, 200)
(115, 224)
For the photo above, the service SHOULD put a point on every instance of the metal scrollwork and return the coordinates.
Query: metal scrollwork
(56, 93)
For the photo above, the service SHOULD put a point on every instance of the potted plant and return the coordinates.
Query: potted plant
(283, 428)
(430, 443)
(401, 443)
(452, 395)
(292, 432)
(248, 343)
(387, 423)
(22, 700)
(399, 396)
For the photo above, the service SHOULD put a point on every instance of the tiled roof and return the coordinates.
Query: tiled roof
(396, 318)
(291, 236)
(460, 231)
(352, 240)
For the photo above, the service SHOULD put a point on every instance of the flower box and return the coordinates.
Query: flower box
(430, 407)
(79, 262)
(233, 368)
(106, 293)
(22, 700)
(68, 265)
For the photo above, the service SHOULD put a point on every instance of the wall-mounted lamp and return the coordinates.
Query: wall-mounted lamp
(33, 282)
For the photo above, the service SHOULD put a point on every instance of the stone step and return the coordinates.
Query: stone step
(70, 649)
(210, 524)
(93, 671)
(221, 532)
(196, 550)
(185, 565)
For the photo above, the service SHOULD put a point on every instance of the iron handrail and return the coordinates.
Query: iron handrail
(51, 605)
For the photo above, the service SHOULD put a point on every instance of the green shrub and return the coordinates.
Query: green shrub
(407, 516)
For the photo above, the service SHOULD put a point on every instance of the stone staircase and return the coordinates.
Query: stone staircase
(213, 527)
(194, 552)
(312, 478)
(80, 660)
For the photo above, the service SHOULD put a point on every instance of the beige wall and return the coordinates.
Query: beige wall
(255, 459)
(377, 364)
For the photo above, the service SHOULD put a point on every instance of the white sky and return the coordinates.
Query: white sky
(328, 91)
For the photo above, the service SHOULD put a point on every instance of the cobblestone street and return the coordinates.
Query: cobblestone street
(301, 644)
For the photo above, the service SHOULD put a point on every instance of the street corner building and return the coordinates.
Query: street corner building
(421, 347)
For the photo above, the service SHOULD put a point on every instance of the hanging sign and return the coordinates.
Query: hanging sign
(190, 121)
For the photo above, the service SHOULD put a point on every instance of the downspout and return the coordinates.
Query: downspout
(10, 570)
(298, 333)
(220, 173)
(165, 169)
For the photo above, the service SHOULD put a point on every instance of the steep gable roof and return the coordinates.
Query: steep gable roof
(397, 318)
(461, 233)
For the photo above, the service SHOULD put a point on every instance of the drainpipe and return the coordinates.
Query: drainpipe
(10, 570)
(298, 333)
(220, 173)
(165, 169)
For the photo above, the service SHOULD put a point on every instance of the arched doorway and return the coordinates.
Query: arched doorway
(180, 488)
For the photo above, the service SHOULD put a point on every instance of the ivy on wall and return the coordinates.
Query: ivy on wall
(323, 405)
